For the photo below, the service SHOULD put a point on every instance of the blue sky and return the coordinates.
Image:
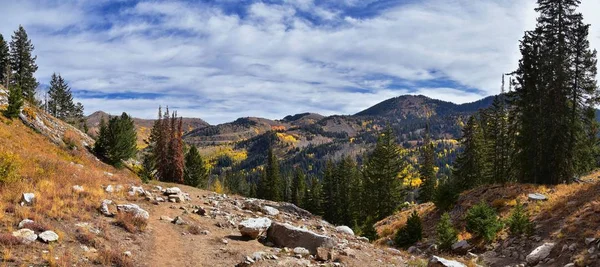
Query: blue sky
(223, 59)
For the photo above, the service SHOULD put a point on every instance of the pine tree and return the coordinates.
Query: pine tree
(60, 103)
(314, 203)
(4, 61)
(554, 89)
(411, 233)
(497, 144)
(195, 173)
(446, 233)
(272, 183)
(346, 169)
(331, 209)
(23, 64)
(468, 171)
(382, 181)
(15, 102)
(117, 140)
(427, 169)
(298, 188)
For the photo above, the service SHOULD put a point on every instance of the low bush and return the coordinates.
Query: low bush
(36, 226)
(518, 222)
(108, 257)
(9, 240)
(411, 233)
(482, 221)
(446, 234)
(130, 222)
(87, 238)
(9, 166)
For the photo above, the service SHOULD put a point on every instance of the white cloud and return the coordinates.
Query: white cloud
(272, 61)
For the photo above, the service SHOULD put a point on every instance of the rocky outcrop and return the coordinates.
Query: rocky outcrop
(285, 235)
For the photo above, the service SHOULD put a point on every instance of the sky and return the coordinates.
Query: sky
(224, 59)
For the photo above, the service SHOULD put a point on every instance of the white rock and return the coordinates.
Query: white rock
(589, 240)
(28, 198)
(77, 188)
(444, 262)
(537, 196)
(109, 189)
(172, 191)
(104, 207)
(540, 253)
(254, 227)
(301, 251)
(48, 236)
(136, 190)
(108, 174)
(127, 253)
(26, 235)
(344, 230)
(166, 218)
(270, 210)
(134, 209)
(24, 222)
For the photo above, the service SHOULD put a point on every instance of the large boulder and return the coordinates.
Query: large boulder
(285, 235)
(133, 209)
(172, 191)
(270, 210)
(26, 236)
(48, 236)
(344, 230)
(436, 261)
(540, 253)
(252, 228)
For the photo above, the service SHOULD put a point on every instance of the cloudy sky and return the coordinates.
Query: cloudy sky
(223, 59)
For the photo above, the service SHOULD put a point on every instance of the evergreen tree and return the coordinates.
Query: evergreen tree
(176, 157)
(60, 103)
(497, 144)
(468, 171)
(331, 209)
(427, 169)
(23, 64)
(117, 140)
(15, 102)
(411, 233)
(4, 61)
(555, 88)
(272, 184)
(298, 188)
(382, 181)
(346, 169)
(446, 233)
(314, 203)
(195, 173)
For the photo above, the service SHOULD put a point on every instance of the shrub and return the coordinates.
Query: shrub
(411, 233)
(113, 258)
(446, 234)
(36, 226)
(445, 195)
(130, 222)
(9, 240)
(70, 138)
(87, 238)
(518, 222)
(483, 221)
(9, 165)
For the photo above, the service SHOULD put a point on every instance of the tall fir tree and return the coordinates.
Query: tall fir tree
(117, 139)
(314, 202)
(60, 102)
(272, 183)
(4, 61)
(23, 64)
(427, 169)
(468, 171)
(330, 193)
(195, 173)
(382, 180)
(298, 188)
(554, 89)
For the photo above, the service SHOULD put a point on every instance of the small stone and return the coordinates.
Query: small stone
(349, 252)
(136, 190)
(77, 188)
(270, 211)
(178, 220)
(28, 199)
(589, 240)
(48, 236)
(127, 253)
(104, 209)
(258, 256)
(205, 232)
(134, 209)
(172, 191)
(109, 189)
(439, 261)
(540, 253)
(344, 230)
(224, 241)
(572, 247)
(301, 251)
(166, 218)
(537, 197)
